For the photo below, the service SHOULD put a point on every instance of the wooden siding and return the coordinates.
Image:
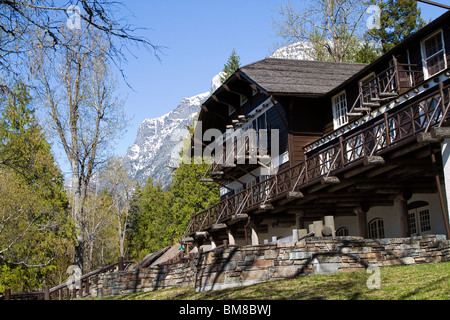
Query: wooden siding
(274, 121)
(296, 144)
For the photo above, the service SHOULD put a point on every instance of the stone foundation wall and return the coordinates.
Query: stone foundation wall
(239, 266)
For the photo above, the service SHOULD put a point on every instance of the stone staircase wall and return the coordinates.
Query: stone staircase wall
(239, 266)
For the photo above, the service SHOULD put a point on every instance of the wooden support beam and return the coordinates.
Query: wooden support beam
(263, 208)
(403, 216)
(426, 138)
(324, 182)
(204, 108)
(237, 218)
(187, 240)
(362, 221)
(330, 180)
(201, 234)
(440, 133)
(229, 89)
(373, 161)
(218, 227)
(291, 196)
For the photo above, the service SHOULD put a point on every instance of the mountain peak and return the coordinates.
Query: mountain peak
(159, 140)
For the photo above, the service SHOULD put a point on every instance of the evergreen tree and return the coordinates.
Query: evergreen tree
(35, 232)
(151, 222)
(399, 19)
(159, 218)
(231, 66)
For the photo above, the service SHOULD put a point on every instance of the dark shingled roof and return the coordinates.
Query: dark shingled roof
(283, 76)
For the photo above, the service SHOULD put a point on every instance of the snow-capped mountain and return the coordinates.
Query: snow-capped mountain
(159, 141)
(295, 51)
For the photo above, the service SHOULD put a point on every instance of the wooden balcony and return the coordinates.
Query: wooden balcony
(242, 155)
(365, 145)
(385, 86)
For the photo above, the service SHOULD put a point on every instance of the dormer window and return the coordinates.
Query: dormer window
(243, 100)
(433, 54)
(339, 110)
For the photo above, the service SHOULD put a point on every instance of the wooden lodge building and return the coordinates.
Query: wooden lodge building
(365, 144)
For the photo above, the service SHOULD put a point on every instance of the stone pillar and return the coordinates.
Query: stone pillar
(362, 222)
(445, 201)
(302, 233)
(294, 235)
(329, 229)
(318, 227)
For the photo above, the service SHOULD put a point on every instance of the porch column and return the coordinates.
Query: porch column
(231, 240)
(444, 195)
(362, 222)
(254, 237)
(402, 203)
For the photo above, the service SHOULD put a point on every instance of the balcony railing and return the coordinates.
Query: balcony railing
(386, 85)
(247, 148)
(369, 139)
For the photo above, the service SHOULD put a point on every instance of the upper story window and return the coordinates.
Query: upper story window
(340, 110)
(433, 54)
(243, 100)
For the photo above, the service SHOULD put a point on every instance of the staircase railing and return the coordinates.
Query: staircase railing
(77, 288)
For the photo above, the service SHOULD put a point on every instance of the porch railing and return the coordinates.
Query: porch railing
(369, 139)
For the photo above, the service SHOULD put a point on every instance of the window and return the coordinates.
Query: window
(376, 228)
(339, 110)
(433, 54)
(419, 218)
(412, 223)
(424, 219)
(231, 110)
(243, 100)
(342, 232)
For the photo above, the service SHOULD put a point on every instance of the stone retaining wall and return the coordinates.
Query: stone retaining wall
(239, 266)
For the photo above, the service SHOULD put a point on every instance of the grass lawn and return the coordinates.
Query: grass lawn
(421, 282)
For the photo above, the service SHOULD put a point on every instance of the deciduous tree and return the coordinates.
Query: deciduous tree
(79, 93)
(329, 30)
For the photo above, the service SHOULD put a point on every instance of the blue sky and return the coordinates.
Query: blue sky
(198, 36)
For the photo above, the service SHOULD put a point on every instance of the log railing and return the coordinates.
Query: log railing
(250, 144)
(386, 85)
(368, 139)
(78, 288)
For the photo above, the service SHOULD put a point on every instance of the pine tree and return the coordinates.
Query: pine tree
(231, 66)
(399, 19)
(151, 223)
(35, 232)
